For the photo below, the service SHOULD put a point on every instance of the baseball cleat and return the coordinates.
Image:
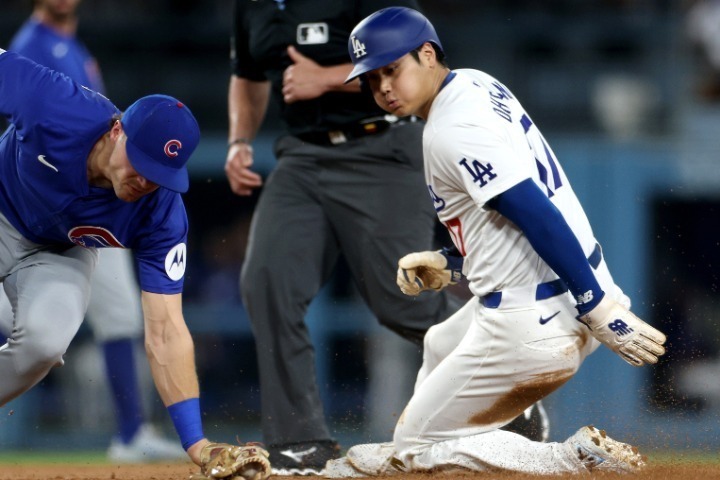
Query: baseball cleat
(533, 423)
(146, 446)
(341, 468)
(366, 460)
(303, 458)
(597, 451)
(375, 459)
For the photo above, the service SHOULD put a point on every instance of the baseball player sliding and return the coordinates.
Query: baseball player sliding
(76, 174)
(544, 299)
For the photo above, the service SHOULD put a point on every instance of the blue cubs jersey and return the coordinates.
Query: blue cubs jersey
(44, 189)
(63, 53)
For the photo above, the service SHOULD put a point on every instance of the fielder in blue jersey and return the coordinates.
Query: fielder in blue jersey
(76, 174)
(49, 37)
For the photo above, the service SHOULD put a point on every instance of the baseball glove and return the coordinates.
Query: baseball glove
(233, 462)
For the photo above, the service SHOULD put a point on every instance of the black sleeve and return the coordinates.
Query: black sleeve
(241, 62)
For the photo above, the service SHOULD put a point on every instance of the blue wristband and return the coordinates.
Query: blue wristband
(454, 262)
(186, 418)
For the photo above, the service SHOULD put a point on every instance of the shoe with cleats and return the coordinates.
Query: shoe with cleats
(303, 458)
(148, 445)
(598, 452)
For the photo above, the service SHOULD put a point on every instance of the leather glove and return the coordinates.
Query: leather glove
(233, 462)
(624, 333)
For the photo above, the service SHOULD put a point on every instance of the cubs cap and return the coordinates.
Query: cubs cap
(161, 133)
(387, 35)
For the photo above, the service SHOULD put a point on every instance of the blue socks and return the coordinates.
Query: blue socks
(123, 379)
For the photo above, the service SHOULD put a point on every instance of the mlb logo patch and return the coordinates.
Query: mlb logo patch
(313, 33)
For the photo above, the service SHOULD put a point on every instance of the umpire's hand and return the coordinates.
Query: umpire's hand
(304, 79)
(237, 168)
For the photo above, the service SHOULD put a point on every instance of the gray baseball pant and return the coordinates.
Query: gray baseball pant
(365, 199)
(48, 288)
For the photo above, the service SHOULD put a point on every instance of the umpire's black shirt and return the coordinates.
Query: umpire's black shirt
(319, 29)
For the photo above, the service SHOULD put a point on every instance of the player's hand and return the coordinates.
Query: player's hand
(624, 333)
(237, 168)
(303, 80)
(422, 271)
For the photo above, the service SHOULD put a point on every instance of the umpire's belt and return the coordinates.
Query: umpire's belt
(351, 131)
(544, 290)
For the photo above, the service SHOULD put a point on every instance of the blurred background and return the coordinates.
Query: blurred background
(626, 92)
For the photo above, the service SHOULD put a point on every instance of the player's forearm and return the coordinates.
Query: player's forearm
(247, 105)
(169, 348)
(172, 365)
(170, 352)
(552, 238)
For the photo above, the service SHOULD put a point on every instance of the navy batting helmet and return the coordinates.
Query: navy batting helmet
(387, 35)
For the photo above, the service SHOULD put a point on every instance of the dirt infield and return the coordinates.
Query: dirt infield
(182, 471)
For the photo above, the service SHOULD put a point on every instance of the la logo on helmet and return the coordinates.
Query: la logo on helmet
(358, 47)
(172, 147)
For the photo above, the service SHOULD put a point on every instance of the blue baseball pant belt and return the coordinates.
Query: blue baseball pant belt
(544, 290)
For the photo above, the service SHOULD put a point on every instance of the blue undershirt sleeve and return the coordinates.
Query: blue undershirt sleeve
(551, 237)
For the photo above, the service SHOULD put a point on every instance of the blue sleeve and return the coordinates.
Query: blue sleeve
(32, 95)
(161, 251)
(551, 237)
(16, 73)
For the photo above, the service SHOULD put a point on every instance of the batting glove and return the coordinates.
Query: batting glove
(624, 333)
(422, 271)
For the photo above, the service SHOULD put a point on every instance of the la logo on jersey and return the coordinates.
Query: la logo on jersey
(175, 262)
(481, 174)
(97, 237)
(358, 47)
(172, 147)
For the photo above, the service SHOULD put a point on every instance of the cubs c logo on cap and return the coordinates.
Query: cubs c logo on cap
(172, 147)
(161, 136)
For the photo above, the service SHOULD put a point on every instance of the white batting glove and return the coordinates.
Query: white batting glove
(624, 333)
(422, 271)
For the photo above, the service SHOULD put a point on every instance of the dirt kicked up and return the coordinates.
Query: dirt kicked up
(181, 471)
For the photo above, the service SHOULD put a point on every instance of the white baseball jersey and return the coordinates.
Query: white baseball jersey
(479, 142)
(487, 363)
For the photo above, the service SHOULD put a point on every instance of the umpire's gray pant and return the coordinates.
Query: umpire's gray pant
(48, 288)
(365, 199)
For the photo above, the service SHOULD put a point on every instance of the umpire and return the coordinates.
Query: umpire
(349, 179)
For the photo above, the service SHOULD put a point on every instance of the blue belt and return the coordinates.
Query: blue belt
(545, 290)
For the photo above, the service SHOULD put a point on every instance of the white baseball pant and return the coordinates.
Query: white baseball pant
(482, 367)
